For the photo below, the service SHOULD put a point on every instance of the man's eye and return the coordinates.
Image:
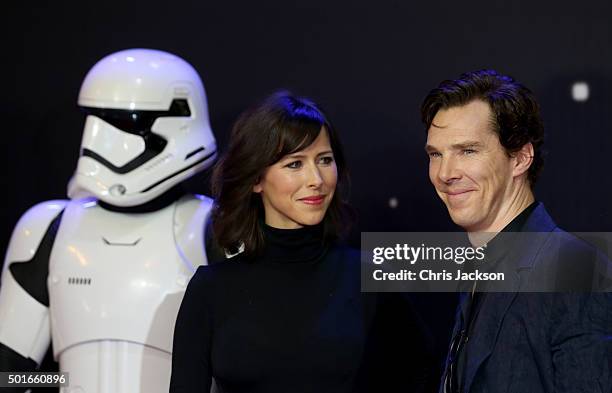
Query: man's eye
(294, 165)
(326, 160)
(434, 154)
(468, 152)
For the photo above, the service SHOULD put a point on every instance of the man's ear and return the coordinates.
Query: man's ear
(523, 159)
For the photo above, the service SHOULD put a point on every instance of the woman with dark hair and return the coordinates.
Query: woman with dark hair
(285, 312)
(266, 147)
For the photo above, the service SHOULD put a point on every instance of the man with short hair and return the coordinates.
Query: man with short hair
(484, 140)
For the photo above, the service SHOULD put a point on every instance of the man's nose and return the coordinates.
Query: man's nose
(448, 171)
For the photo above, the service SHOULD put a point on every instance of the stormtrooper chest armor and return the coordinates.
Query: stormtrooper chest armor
(116, 276)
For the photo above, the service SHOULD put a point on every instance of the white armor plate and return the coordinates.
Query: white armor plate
(117, 276)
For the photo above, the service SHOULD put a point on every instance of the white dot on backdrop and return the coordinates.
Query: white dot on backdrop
(393, 202)
(580, 91)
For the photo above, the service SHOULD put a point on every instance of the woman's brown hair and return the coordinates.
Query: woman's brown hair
(279, 125)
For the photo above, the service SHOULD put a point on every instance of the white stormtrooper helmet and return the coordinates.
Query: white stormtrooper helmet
(147, 128)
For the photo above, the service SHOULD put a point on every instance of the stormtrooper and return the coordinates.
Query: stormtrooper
(101, 276)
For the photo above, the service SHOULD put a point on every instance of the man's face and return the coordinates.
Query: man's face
(470, 169)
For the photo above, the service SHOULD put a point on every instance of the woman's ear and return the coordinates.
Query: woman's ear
(257, 188)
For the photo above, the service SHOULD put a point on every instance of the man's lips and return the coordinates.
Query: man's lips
(457, 192)
(313, 200)
(457, 196)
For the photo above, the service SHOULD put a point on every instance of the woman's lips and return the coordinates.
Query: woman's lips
(313, 200)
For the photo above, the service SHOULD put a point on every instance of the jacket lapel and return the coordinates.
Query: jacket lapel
(480, 345)
(495, 305)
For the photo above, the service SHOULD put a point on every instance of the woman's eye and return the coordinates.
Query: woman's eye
(326, 160)
(294, 165)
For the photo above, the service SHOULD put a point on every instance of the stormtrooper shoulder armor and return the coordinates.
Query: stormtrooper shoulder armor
(24, 300)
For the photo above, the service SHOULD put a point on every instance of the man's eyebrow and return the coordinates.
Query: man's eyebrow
(430, 148)
(466, 145)
(456, 146)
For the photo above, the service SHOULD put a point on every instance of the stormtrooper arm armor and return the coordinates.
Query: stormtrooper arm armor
(190, 220)
(24, 299)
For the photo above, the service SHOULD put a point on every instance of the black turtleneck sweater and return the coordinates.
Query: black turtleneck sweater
(294, 320)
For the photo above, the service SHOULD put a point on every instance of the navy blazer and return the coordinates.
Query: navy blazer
(541, 342)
